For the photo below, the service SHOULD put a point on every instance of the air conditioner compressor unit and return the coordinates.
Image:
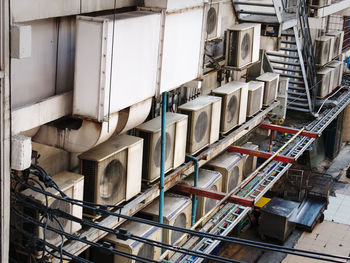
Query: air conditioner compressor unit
(249, 160)
(203, 122)
(72, 185)
(230, 165)
(234, 104)
(338, 42)
(131, 246)
(271, 81)
(105, 67)
(324, 82)
(208, 180)
(176, 133)
(112, 170)
(177, 212)
(323, 50)
(255, 97)
(338, 75)
(242, 45)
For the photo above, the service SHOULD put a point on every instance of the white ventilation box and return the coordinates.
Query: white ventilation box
(255, 97)
(177, 212)
(21, 152)
(112, 170)
(230, 165)
(271, 81)
(242, 45)
(324, 82)
(203, 122)
(21, 41)
(181, 58)
(338, 75)
(132, 56)
(338, 42)
(212, 18)
(234, 104)
(73, 186)
(208, 180)
(131, 246)
(176, 134)
(323, 49)
(249, 161)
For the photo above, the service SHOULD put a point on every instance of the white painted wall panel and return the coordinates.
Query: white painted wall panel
(172, 4)
(33, 78)
(134, 65)
(26, 10)
(181, 50)
(98, 5)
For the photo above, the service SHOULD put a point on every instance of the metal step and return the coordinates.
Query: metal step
(255, 13)
(297, 64)
(296, 82)
(296, 99)
(290, 42)
(281, 55)
(284, 34)
(300, 94)
(293, 103)
(291, 76)
(289, 49)
(253, 4)
(287, 69)
(291, 88)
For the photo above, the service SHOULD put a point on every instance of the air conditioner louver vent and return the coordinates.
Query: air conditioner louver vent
(64, 207)
(212, 20)
(245, 46)
(180, 221)
(232, 108)
(112, 182)
(201, 126)
(157, 150)
(146, 251)
(210, 203)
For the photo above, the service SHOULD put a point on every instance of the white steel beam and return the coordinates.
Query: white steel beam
(332, 9)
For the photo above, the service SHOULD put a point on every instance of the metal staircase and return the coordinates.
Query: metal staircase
(295, 58)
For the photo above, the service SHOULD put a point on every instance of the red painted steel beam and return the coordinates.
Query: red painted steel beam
(287, 130)
(261, 154)
(188, 189)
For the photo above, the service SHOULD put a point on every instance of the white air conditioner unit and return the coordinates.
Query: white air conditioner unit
(242, 45)
(212, 21)
(255, 97)
(230, 165)
(338, 42)
(271, 81)
(72, 185)
(279, 113)
(324, 82)
(338, 75)
(319, 3)
(176, 133)
(332, 79)
(104, 67)
(204, 122)
(131, 246)
(208, 180)
(234, 104)
(177, 212)
(112, 170)
(249, 160)
(323, 50)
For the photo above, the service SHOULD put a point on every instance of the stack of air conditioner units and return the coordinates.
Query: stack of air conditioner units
(176, 134)
(230, 165)
(338, 42)
(209, 180)
(182, 44)
(105, 67)
(319, 3)
(255, 97)
(338, 75)
(203, 122)
(242, 45)
(212, 24)
(234, 104)
(112, 170)
(324, 82)
(249, 160)
(73, 186)
(323, 50)
(131, 246)
(271, 81)
(177, 212)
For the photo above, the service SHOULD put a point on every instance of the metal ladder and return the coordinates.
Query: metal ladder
(231, 214)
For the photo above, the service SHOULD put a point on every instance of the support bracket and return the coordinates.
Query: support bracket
(289, 130)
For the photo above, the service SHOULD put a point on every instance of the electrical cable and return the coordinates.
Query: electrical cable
(220, 238)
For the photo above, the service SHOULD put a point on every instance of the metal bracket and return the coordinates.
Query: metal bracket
(288, 130)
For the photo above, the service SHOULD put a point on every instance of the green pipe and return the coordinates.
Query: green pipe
(162, 160)
(195, 183)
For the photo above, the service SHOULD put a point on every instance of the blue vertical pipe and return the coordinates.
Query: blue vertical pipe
(162, 159)
(195, 183)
